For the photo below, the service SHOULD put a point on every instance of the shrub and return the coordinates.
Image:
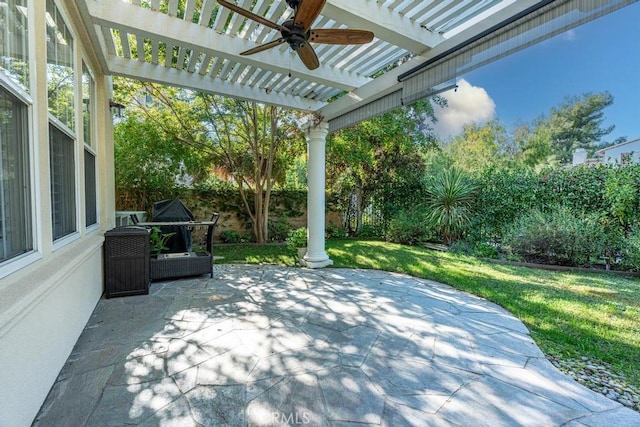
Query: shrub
(449, 199)
(369, 231)
(335, 231)
(581, 188)
(556, 237)
(502, 196)
(622, 194)
(631, 251)
(230, 236)
(479, 250)
(485, 250)
(278, 230)
(409, 227)
(297, 239)
(461, 247)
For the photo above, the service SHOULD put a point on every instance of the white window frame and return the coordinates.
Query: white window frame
(90, 148)
(74, 135)
(21, 261)
(65, 240)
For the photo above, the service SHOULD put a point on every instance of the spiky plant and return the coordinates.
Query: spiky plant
(449, 199)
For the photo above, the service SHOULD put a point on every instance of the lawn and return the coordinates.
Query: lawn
(570, 315)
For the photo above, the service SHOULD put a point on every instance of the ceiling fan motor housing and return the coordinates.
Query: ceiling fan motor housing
(294, 35)
(293, 4)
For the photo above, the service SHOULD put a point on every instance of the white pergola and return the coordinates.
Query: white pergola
(419, 48)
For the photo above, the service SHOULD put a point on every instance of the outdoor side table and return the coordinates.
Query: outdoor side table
(126, 261)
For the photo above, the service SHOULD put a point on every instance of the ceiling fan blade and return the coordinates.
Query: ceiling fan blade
(308, 11)
(337, 36)
(263, 47)
(308, 56)
(248, 14)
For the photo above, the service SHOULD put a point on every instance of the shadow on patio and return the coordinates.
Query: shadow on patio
(266, 345)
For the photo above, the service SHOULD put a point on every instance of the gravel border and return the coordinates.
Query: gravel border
(599, 377)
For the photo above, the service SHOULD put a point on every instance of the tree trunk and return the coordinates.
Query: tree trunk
(258, 223)
(359, 210)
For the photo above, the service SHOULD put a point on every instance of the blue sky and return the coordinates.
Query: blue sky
(602, 55)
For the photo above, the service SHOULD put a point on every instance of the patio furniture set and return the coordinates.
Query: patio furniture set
(130, 265)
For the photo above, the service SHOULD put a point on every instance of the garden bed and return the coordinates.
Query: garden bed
(551, 267)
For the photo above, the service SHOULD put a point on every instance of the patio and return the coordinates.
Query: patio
(51, 275)
(267, 345)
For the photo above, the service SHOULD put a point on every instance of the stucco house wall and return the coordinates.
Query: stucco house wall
(48, 293)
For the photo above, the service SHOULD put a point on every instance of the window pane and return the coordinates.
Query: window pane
(63, 194)
(87, 103)
(60, 64)
(14, 49)
(91, 213)
(15, 189)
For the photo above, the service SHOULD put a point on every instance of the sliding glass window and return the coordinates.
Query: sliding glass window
(14, 46)
(60, 67)
(16, 236)
(90, 190)
(63, 195)
(62, 138)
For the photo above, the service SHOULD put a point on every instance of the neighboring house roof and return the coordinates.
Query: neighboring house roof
(605, 149)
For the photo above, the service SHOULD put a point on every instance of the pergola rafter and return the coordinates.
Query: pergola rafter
(197, 43)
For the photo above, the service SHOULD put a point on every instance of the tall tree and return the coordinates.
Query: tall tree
(150, 162)
(252, 143)
(534, 144)
(479, 146)
(578, 123)
(380, 158)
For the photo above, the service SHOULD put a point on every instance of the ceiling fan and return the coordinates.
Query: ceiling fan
(298, 33)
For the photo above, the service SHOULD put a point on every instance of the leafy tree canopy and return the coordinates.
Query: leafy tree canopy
(383, 155)
(550, 140)
(245, 142)
(577, 123)
(150, 162)
(479, 147)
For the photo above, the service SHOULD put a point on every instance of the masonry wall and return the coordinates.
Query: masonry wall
(288, 207)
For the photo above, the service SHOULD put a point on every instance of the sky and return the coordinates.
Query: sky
(601, 55)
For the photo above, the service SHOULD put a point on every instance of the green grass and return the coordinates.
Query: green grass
(569, 314)
(254, 254)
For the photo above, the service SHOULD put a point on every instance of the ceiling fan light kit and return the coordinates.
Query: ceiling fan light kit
(297, 31)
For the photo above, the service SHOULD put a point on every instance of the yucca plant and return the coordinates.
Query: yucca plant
(449, 199)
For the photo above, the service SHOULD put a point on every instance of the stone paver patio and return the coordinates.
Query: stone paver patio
(266, 345)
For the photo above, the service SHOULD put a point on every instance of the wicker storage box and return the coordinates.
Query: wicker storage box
(168, 267)
(126, 261)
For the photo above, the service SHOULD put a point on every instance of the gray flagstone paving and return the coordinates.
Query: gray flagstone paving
(270, 346)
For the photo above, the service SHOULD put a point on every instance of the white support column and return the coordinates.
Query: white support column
(316, 256)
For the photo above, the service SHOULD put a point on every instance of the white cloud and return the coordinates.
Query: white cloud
(569, 35)
(469, 104)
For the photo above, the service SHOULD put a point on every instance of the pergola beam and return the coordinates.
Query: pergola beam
(135, 69)
(386, 24)
(146, 23)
